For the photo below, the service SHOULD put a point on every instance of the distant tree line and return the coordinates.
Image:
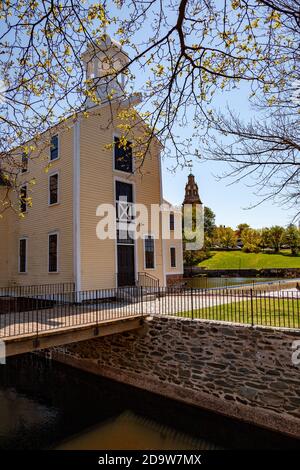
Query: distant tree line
(246, 238)
(252, 240)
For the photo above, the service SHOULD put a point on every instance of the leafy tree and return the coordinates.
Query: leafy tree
(241, 228)
(225, 237)
(265, 238)
(276, 234)
(189, 52)
(209, 222)
(251, 239)
(190, 258)
(292, 238)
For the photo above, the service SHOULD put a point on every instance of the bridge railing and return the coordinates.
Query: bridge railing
(41, 313)
(36, 289)
(66, 310)
(271, 308)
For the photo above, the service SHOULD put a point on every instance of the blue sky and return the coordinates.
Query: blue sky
(229, 202)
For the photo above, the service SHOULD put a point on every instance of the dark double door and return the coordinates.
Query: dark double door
(126, 270)
(125, 250)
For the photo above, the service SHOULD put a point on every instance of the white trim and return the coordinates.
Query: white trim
(174, 272)
(163, 248)
(26, 257)
(170, 247)
(118, 135)
(181, 256)
(154, 251)
(58, 147)
(133, 184)
(76, 206)
(58, 188)
(57, 253)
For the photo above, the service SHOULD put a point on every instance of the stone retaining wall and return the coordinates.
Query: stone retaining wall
(242, 372)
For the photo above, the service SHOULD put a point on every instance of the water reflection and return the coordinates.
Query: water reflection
(202, 282)
(20, 414)
(132, 432)
(45, 405)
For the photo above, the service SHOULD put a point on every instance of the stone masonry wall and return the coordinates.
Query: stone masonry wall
(236, 370)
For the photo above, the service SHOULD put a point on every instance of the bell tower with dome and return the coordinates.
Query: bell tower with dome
(105, 62)
(191, 191)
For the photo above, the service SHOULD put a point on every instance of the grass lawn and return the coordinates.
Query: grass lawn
(240, 260)
(267, 312)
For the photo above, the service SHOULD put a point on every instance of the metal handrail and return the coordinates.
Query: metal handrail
(147, 280)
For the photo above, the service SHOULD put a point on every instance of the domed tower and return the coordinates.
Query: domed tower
(191, 191)
(104, 61)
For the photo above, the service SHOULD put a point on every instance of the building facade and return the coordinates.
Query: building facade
(77, 167)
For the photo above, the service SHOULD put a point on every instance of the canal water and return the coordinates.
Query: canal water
(203, 282)
(47, 405)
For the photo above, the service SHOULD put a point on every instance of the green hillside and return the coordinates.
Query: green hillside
(240, 260)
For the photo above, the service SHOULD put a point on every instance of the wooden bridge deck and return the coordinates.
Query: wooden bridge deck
(39, 329)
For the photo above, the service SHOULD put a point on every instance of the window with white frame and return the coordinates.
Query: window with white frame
(53, 189)
(54, 151)
(53, 253)
(173, 257)
(23, 255)
(149, 252)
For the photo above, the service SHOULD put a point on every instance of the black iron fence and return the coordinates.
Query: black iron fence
(68, 310)
(40, 313)
(279, 308)
(38, 289)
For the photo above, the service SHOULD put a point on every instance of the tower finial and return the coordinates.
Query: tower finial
(190, 166)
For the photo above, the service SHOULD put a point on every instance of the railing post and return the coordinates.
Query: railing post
(142, 306)
(36, 341)
(192, 301)
(251, 306)
(96, 330)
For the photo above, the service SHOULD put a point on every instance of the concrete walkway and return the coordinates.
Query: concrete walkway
(63, 317)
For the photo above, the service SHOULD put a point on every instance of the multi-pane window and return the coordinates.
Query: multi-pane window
(53, 253)
(53, 189)
(149, 252)
(24, 162)
(23, 199)
(124, 202)
(123, 155)
(23, 255)
(173, 257)
(172, 221)
(54, 147)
